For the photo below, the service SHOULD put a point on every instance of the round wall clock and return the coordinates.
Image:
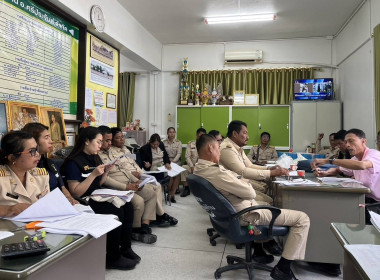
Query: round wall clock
(97, 18)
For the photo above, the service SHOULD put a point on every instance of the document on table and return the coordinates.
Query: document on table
(297, 182)
(52, 207)
(5, 234)
(337, 180)
(125, 195)
(375, 220)
(176, 169)
(367, 255)
(94, 224)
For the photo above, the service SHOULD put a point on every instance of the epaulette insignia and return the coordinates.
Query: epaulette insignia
(3, 172)
(40, 171)
(229, 145)
(190, 142)
(86, 167)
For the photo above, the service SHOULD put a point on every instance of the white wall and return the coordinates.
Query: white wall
(353, 53)
(276, 53)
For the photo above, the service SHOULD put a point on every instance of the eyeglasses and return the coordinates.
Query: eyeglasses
(220, 140)
(32, 152)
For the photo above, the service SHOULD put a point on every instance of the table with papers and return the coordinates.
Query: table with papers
(361, 245)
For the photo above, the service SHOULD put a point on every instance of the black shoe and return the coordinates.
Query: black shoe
(145, 228)
(277, 274)
(330, 269)
(121, 263)
(263, 259)
(185, 192)
(171, 198)
(160, 223)
(129, 254)
(272, 248)
(172, 221)
(177, 191)
(144, 238)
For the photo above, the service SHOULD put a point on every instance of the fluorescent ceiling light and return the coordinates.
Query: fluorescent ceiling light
(240, 18)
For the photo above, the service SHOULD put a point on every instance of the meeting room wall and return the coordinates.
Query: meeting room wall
(276, 53)
(353, 54)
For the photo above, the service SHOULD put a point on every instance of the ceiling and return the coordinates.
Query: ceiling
(181, 21)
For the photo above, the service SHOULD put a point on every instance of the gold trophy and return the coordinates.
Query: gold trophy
(205, 96)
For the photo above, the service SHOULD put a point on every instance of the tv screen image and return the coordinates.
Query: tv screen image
(313, 89)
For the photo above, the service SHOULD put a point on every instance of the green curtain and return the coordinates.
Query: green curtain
(126, 97)
(274, 86)
(376, 34)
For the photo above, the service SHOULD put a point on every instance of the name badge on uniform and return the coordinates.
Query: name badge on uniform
(86, 175)
(12, 195)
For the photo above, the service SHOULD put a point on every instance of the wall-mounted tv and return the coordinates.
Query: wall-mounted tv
(313, 89)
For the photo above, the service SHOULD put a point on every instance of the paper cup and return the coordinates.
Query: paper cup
(293, 167)
(301, 173)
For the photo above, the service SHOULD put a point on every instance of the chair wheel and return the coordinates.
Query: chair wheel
(217, 275)
(209, 232)
(213, 242)
(230, 260)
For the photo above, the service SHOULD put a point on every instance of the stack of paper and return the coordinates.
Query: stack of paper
(125, 195)
(297, 182)
(337, 180)
(368, 257)
(152, 179)
(375, 220)
(176, 169)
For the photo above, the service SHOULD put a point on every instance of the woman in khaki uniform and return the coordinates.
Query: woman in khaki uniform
(21, 183)
(174, 149)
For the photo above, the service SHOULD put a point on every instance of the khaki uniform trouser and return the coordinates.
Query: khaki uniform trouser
(184, 174)
(261, 188)
(159, 209)
(298, 222)
(144, 205)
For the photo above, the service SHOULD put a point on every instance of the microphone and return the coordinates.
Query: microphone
(56, 174)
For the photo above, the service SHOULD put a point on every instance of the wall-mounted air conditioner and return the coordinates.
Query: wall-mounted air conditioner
(243, 56)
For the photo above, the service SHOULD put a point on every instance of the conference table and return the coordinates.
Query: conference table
(351, 234)
(324, 205)
(70, 257)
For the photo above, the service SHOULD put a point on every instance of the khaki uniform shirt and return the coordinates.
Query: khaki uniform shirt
(12, 191)
(268, 153)
(119, 176)
(239, 192)
(174, 150)
(330, 152)
(233, 158)
(191, 154)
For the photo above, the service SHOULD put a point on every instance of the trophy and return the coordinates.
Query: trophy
(214, 96)
(184, 87)
(205, 96)
(191, 99)
(197, 95)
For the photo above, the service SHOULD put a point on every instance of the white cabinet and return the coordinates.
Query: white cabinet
(312, 117)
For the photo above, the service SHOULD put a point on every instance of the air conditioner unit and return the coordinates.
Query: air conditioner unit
(243, 56)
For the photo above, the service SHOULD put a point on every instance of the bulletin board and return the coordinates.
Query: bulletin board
(39, 56)
(102, 68)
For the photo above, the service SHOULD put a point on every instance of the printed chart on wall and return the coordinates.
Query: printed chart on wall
(38, 57)
(101, 81)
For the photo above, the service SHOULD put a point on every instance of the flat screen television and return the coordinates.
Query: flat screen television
(313, 89)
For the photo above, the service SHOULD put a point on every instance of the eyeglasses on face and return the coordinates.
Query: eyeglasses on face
(33, 152)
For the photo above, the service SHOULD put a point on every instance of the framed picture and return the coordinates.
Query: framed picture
(111, 101)
(238, 97)
(21, 113)
(53, 118)
(4, 119)
(251, 99)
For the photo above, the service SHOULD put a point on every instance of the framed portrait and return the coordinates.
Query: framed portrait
(111, 101)
(251, 99)
(21, 113)
(53, 119)
(238, 97)
(4, 119)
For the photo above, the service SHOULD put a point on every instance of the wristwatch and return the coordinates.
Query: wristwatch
(331, 160)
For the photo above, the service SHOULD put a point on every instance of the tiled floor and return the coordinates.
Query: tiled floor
(184, 251)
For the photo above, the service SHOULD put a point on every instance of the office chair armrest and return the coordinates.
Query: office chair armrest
(275, 213)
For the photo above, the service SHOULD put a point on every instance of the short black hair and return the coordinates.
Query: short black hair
(340, 135)
(201, 129)
(115, 130)
(203, 141)
(103, 129)
(265, 133)
(358, 132)
(235, 126)
(154, 138)
(332, 134)
(214, 132)
(167, 131)
(13, 143)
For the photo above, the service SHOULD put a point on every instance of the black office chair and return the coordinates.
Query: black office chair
(225, 221)
(160, 177)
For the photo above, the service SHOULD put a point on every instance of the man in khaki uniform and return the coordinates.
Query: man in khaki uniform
(129, 165)
(232, 157)
(144, 199)
(330, 152)
(241, 195)
(262, 153)
(191, 158)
